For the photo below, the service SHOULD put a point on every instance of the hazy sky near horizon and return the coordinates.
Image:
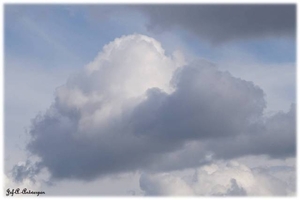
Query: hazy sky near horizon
(150, 99)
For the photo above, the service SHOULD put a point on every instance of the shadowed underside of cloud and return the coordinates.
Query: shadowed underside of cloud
(134, 108)
(221, 23)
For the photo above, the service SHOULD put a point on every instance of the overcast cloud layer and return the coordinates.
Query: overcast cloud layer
(135, 109)
(222, 23)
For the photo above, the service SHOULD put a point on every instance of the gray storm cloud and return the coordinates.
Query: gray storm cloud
(222, 23)
(134, 108)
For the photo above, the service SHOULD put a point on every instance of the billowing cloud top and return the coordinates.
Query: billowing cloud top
(135, 108)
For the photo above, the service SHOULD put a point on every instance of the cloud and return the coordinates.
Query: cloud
(204, 97)
(27, 175)
(276, 138)
(235, 190)
(25, 170)
(88, 111)
(279, 94)
(222, 23)
(163, 184)
(135, 109)
(221, 179)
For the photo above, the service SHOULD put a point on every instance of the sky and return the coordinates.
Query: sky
(150, 100)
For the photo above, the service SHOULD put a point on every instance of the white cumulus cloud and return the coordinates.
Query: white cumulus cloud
(222, 179)
(136, 109)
